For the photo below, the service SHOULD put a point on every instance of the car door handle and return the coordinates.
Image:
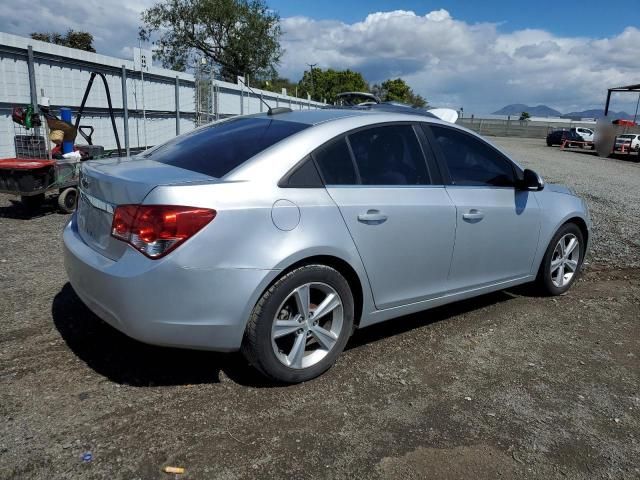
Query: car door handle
(473, 215)
(372, 217)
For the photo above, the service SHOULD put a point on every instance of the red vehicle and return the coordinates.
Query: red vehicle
(624, 123)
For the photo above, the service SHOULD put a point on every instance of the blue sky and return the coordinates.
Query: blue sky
(562, 17)
(478, 54)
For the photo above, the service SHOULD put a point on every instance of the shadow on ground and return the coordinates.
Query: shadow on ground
(17, 211)
(404, 324)
(127, 361)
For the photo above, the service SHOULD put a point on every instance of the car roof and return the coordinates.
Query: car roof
(328, 123)
(313, 117)
(322, 115)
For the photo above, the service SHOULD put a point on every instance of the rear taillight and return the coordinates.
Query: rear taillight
(155, 230)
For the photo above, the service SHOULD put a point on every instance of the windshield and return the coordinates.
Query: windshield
(217, 149)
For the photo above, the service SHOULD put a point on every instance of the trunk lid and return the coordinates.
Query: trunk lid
(105, 184)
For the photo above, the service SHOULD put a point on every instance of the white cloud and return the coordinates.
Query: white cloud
(449, 61)
(455, 63)
(113, 23)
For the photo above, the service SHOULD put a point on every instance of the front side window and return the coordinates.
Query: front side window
(389, 155)
(217, 149)
(470, 161)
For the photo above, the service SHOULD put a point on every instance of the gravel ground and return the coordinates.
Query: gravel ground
(507, 385)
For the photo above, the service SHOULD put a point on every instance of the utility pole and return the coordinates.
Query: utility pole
(313, 88)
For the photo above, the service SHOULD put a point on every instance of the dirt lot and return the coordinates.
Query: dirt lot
(505, 386)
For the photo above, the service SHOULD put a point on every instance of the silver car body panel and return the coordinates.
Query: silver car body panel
(499, 242)
(201, 295)
(416, 238)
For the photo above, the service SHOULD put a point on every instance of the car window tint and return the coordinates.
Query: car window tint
(470, 161)
(335, 164)
(389, 155)
(304, 176)
(217, 149)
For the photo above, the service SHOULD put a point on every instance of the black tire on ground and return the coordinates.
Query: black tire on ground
(32, 202)
(257, 345)
(549, 144)
(544, 281)
(68, 199)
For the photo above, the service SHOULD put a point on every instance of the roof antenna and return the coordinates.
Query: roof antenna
(270, 111)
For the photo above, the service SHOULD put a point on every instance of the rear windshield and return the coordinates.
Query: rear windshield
(217, 149)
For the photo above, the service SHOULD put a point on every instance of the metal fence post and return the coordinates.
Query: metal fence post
(178, 105)
(125, 110)
(216, 99)
(32, 78)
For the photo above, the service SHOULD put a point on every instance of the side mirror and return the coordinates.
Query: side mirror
(531, 181)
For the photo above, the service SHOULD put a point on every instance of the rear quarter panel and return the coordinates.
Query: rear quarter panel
(244, 236)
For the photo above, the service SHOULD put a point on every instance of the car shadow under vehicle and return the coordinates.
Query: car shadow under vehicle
(404, 324)
(129, 362)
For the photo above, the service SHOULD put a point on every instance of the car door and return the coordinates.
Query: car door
(586, 134)
(396, 209)
(497, 224)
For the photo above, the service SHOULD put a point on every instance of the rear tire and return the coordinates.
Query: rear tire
(68, 199)
(562, 261)
(32, 202)
(288, 342)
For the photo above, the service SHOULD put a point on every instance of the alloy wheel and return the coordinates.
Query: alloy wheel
(565, 260)
(307, 325)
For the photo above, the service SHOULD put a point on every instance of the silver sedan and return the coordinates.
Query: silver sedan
(279, 234)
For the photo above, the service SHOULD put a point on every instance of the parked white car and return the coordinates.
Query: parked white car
(629, 141)
(585, 133)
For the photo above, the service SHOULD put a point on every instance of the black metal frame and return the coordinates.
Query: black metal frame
(628, 88)
(81, 109)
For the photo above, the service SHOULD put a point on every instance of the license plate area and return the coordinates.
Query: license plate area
(94, 223)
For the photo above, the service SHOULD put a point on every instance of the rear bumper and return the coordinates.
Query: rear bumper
(161, 302)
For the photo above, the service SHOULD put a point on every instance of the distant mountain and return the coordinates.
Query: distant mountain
(544, 111)
(597, 113)
(518, 108)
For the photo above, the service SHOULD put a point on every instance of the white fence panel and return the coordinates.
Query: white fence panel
(62, 74)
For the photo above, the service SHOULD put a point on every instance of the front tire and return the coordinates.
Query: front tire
(300, 324)
(562, 260)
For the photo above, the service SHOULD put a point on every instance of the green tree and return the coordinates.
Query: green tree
(524, 116)
(397, 90)
(72, 39)
(242, 36)
(326, 84)
(276, 84)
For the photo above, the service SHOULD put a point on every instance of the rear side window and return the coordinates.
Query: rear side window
(335, 164)
(217, 149)
(304, 176)
(472, 162)
(389, 155)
